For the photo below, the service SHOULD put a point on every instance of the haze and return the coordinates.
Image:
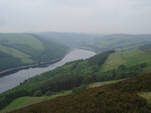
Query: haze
(89, 16)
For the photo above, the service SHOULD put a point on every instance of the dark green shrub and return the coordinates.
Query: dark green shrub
(49, 93)
(78, 89)
(38, 93)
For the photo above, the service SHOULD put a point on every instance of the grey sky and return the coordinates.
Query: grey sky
(96, 16)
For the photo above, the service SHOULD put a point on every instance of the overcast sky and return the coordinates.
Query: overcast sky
(91, 16)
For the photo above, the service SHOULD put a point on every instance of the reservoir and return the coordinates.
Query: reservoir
(12, 80)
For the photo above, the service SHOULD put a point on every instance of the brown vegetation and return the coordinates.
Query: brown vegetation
(120, 97)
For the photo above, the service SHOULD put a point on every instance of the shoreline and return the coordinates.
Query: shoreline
(15, 69)
(12, 70)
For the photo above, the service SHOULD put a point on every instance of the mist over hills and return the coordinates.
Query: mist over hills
(96, 42)
(28, 48)
(73, 40)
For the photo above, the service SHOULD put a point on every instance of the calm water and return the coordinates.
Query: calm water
(12, 80)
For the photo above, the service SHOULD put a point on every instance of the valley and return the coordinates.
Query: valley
(81, 71)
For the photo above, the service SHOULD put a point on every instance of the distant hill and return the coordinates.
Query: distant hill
(17, 49)
(97, 42)
(119, 42)
(122, 97)
(72, 40)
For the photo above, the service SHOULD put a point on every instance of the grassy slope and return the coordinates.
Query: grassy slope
(17, 54)
(121, 97)
(14, 46)
(128, 58)
(146, 95)
(26, 101)
(22, 39)
(98, 84)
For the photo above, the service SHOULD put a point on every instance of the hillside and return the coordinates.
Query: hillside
(82, 73)
(17, 49)
(67, 77)
(28, 100)
(121, 97)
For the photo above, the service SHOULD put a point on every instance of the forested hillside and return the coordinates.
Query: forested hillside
(17, 49)
(63, 78)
